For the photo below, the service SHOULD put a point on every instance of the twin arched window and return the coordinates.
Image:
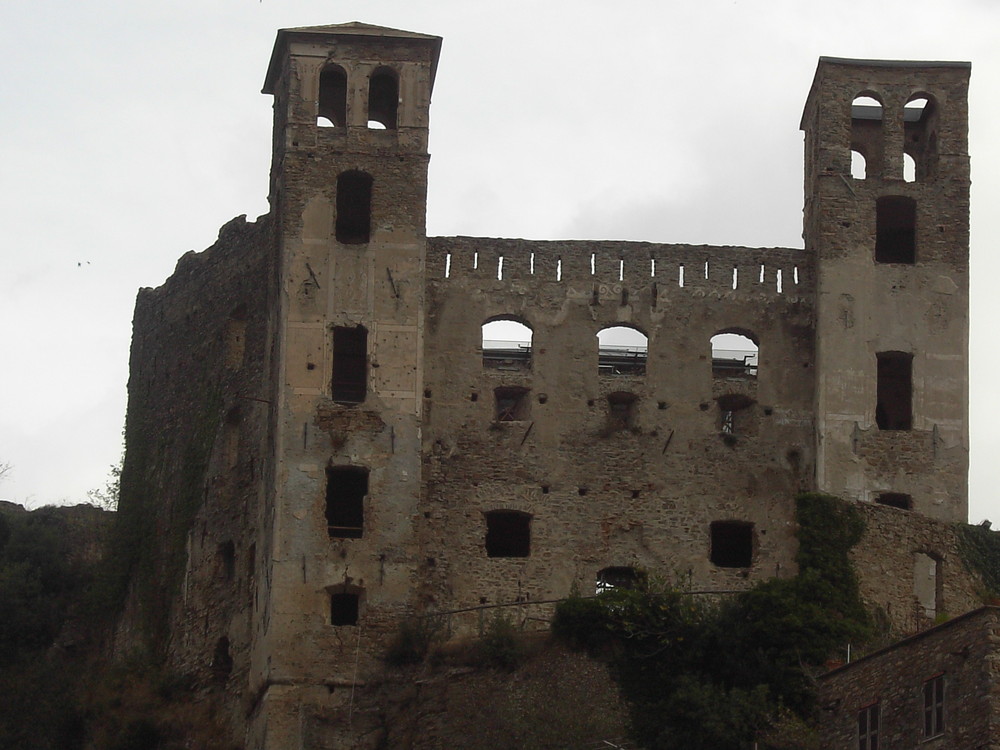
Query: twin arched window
(383, 98)
(919, 137)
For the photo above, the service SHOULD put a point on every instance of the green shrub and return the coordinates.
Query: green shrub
(499, 646)
(413, 640)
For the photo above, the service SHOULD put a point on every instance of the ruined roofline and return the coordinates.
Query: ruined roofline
(351, 29)
(623, 245)
(850, 62)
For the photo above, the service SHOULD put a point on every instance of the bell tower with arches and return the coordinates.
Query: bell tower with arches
(891, 244)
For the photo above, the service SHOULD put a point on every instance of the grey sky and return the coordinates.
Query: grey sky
(131, 131)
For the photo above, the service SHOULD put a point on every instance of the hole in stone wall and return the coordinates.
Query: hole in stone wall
(616, 577)
(542, 398)
(894, 404)
(927, 583)
(735, 414)
(222, 660)
(344, 608)
(473, 397)
(512, 404)
(349, 383)
(508, 533)
(581, 491)
(731, 544)
(227, 560)
(895, 229)
(859, 166)
(895, 500)
(346, 488)
(622, 408)
(354, 207)
(545, 489)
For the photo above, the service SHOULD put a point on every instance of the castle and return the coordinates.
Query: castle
(325, 441)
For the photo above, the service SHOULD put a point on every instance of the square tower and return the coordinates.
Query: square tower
(891, 241)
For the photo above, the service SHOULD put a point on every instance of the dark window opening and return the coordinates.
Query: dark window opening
(868, 719)
(354, 207)
(622, 350)
(732, 544)
(344, 608)
(895, 500)
(350, 364)
(622, 408)
(383, 99)
(222, 661)
(511, 404)
(332, 110)
(346, 488)
(735, 414)
(895, 229)
(227, 560)
(894, 404)
(616, 577)
(508, 533)
(934, 706)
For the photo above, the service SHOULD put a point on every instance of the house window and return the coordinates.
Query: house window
(344, 607)
(511, 404)
(508, 534)
(354, 207)
(350, 364)
(346, 487)
(868, 727)
(934, 706)
(731, 544)
(894, 391)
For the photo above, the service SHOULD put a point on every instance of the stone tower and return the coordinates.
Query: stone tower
(892, 255)
(348, 193)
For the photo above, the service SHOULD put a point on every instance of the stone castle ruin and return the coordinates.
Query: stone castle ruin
(325, 435)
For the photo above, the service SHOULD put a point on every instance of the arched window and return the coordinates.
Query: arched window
(622, 350)
(354, 207)
(909, 168)
(383, 99)
(895, 229)
(506, 344)
(866, 131)
(332, 109)
(734, 354)
(920, 136)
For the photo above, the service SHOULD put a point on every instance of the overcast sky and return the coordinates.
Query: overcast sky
(131, 131)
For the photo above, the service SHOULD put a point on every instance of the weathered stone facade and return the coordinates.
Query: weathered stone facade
(317, 443)
(934, 690)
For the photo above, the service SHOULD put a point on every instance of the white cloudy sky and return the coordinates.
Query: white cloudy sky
(130, 131)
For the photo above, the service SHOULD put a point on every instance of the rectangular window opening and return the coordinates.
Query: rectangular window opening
(511, 404)
(894, 404)
(350, 364)
(680, 275)
(895, 229)
(346, 489)
(508, 534)
(344, 609)
(731, 544)
(447, 265)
